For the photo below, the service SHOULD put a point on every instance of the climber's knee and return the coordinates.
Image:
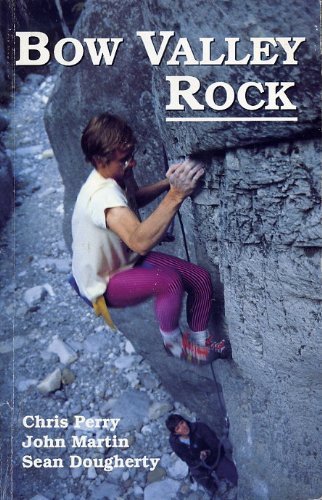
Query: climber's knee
(204, 279)
(172, 281)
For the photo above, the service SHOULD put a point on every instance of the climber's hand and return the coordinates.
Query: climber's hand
(204, 454)
(183, 177)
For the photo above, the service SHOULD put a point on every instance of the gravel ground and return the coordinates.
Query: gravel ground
(94, 372)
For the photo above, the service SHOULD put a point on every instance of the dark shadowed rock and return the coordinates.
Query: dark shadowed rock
(4, 123)
(6, 186)
(3, 66)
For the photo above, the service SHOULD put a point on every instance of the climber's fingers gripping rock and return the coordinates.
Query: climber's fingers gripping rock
(183, 177)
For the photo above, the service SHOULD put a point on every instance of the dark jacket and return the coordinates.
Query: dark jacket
(201, 438)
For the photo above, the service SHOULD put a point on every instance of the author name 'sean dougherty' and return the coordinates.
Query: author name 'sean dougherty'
(80, 423)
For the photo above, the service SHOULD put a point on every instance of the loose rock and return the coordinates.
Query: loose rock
(68, 377)
(47, 154)
(15, 343)
(131, 407)
(29, 150)
(51, 383)
(156, 475)
(96, 342)
(36, 294)
(24, 385)
(107, 491)
(129, 348)
(158, 409)
(64, 352)
(124, 362)
(91, 473)
(161, 490)
(179, 469)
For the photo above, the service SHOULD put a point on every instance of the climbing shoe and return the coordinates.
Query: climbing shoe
(203, 355)
(175, 349)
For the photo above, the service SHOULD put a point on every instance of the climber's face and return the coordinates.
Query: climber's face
(118, 167)
(126, 159)
(182, 429)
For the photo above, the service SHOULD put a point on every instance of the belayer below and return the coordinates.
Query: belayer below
(113, 259)
(197, 445)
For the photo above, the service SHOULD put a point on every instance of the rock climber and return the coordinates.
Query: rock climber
(197, 445)
(112, 248)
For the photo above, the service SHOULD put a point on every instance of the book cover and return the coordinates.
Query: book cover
(236, 87)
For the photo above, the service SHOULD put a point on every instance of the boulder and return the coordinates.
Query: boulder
(122, 93)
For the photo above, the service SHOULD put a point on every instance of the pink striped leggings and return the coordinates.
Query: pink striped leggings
(166, 278)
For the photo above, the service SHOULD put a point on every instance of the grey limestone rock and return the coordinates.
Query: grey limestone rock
(106, 490)
(224, 20)
(159, 490)
(24, 385)
(156, 475)
(120, 92)
(159, 408)
(132, 407)
(96, 342)
(64, 352)
(29, 150)
(39, 497)
(51, 383)
(178, 469)
(33, 296)
(16, 342)
(124, 362)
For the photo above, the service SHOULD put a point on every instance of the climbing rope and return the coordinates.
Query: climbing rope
(170, 233)
(221, 403)
(184, 237)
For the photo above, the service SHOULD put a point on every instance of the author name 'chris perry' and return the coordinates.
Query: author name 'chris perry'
(79, 422)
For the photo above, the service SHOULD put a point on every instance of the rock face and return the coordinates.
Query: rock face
(269, 239)
(254, 223)
(226, 20)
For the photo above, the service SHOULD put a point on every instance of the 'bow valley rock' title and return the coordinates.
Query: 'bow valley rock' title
(184, 89)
